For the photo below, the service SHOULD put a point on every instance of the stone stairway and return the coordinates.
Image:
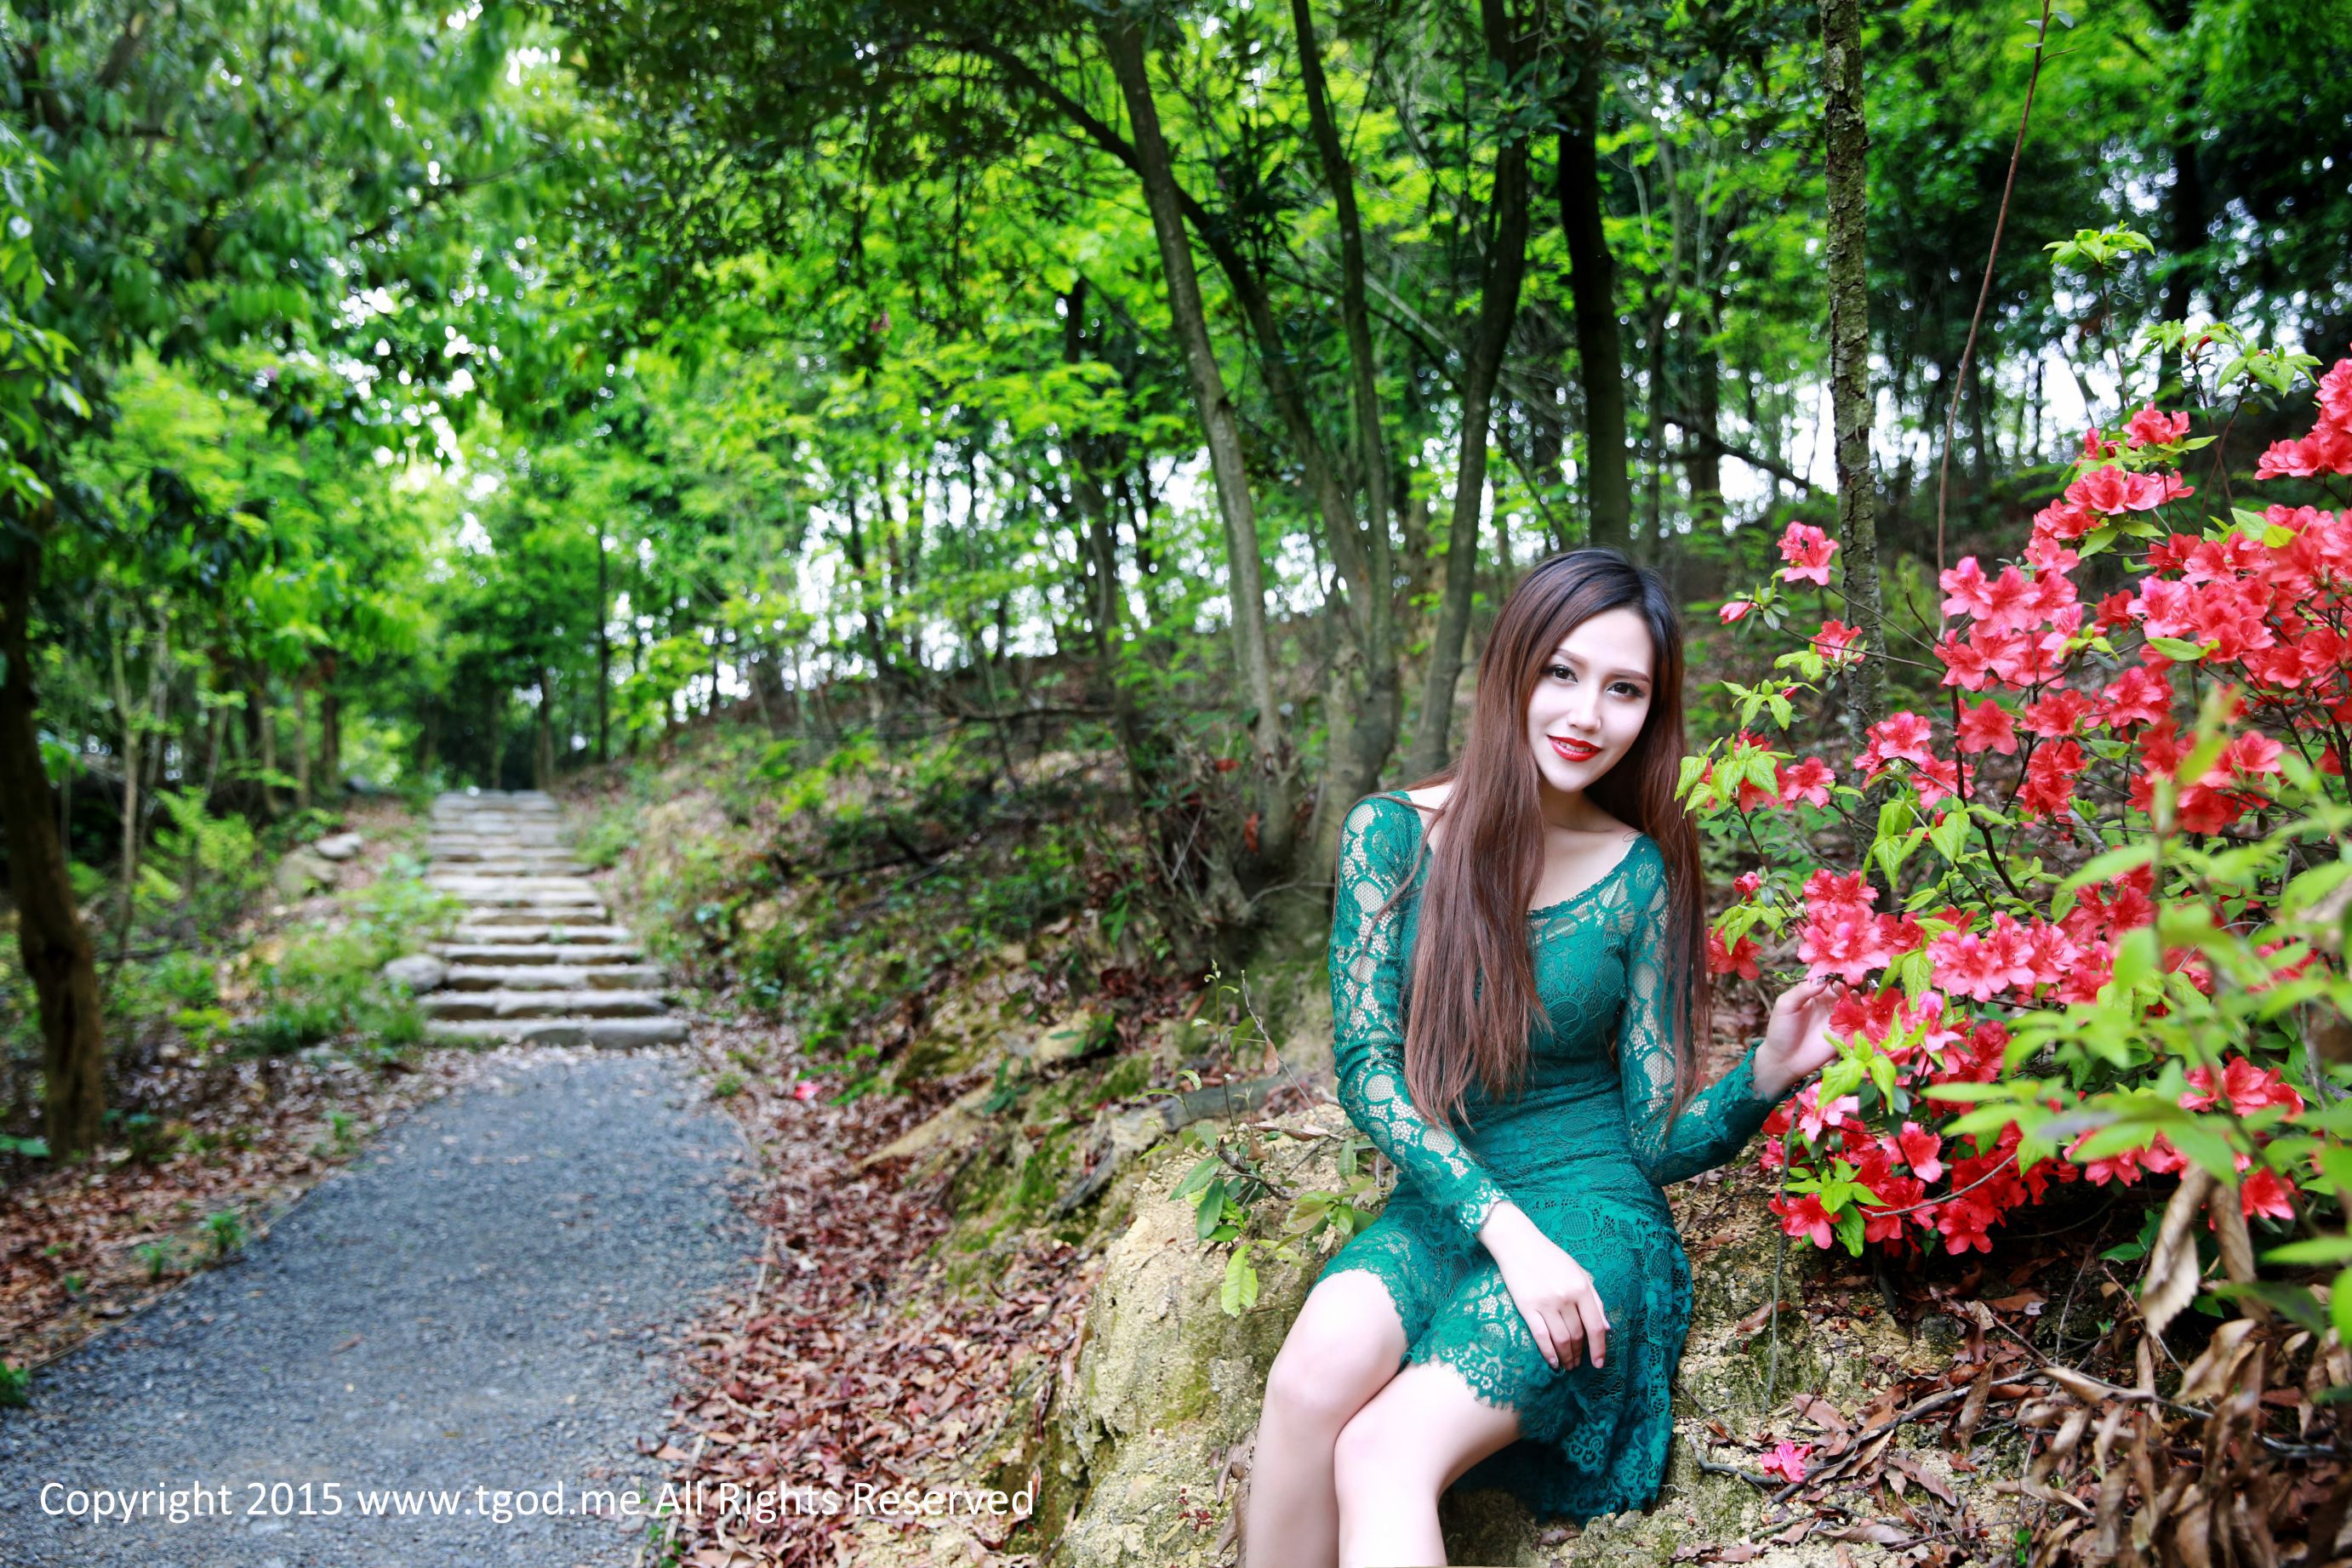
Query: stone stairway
(536, 958)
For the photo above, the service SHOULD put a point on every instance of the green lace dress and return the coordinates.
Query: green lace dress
(1584, 1150)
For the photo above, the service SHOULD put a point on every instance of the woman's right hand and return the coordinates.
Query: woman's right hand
(1552, 1291)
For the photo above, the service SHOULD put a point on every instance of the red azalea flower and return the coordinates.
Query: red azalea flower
(1807, 549)
(2149, 428)
(1808, 780)
(1987, 726)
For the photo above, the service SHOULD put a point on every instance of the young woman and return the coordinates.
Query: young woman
(1518, 990)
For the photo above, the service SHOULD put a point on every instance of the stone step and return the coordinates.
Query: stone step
(518, 840)
(523, 936)
(605, 1034)
(553, 978)
(587, 915)
(464, 881)
(548, 953)
(542, 1004)
(468, 853)
(499, 898)
(490, 872)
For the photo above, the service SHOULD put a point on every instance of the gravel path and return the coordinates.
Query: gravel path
(484, 1300)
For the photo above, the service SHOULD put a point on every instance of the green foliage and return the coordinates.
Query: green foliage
(325, 984)
(224, 1234)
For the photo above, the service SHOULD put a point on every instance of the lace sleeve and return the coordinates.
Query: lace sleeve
(1716, 1121)
(1367, 967)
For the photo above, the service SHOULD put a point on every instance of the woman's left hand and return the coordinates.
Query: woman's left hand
(1797, 1039)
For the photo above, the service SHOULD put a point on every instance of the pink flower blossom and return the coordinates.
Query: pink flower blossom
(2149, 428)
(1920, 1148)
(1809, 781)
(1807, 549)
(1987, 726)
(1837, 642)
(1901, 737)
(2245, 1086)
(1737, 959)
(1813, 1118)
(2264, 1194)
(2058, 714)
(2106, 489)
(1735, 610)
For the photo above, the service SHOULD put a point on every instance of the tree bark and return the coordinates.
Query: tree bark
(1848, 137)
(603, 654)
(542, 751)
(1703, 463)
(1269, 729)
(1498, 306)
(57, 956)
(1592, 290)
(856, 543)
(302, 743)
(129, 714)
(261, 724)
(330, 732)
(1359, 749)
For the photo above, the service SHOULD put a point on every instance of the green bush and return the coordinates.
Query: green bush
(327, 985)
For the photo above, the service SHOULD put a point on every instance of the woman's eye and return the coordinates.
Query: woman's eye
(1562, 671)
(1626, 689)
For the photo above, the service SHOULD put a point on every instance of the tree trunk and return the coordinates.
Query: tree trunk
(261, 730)
(330, 732)
(604, 655)
(1368, 685)
(56, 951)
(856, 543)
(302, 743)
(134, 741)
(1498, 306)
(1857, 522)
(543, 749)
(1278, 766)
(1703, 463)
(1592, 288)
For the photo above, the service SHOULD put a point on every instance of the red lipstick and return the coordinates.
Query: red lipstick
(1573, 749)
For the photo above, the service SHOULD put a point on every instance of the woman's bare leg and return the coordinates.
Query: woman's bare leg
(1395, 1457)
(1343, 1348)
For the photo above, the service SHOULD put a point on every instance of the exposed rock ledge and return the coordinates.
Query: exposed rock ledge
(1156, 1430)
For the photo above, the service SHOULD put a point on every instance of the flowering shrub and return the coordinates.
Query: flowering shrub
(2089, 906)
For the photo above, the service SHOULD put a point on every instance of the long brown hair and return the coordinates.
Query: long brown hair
(1473, 990)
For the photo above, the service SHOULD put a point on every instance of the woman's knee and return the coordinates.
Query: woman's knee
(1333, 1361)
(1374, 1454)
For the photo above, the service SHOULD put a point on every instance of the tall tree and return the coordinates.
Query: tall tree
(1498, 306)
(1847, 138)
(1592, 285)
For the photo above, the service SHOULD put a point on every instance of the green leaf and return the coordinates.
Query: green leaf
(1240, 1291)
(1950, 834)
(1212, 1208)
(2111, 864)
(2315, 1249)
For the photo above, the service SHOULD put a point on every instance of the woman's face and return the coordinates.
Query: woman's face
(1590, 698)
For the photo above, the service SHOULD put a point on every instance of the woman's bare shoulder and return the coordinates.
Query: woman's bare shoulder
(1429, 797)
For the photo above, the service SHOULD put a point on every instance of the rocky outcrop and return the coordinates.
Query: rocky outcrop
(1153, 1434)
